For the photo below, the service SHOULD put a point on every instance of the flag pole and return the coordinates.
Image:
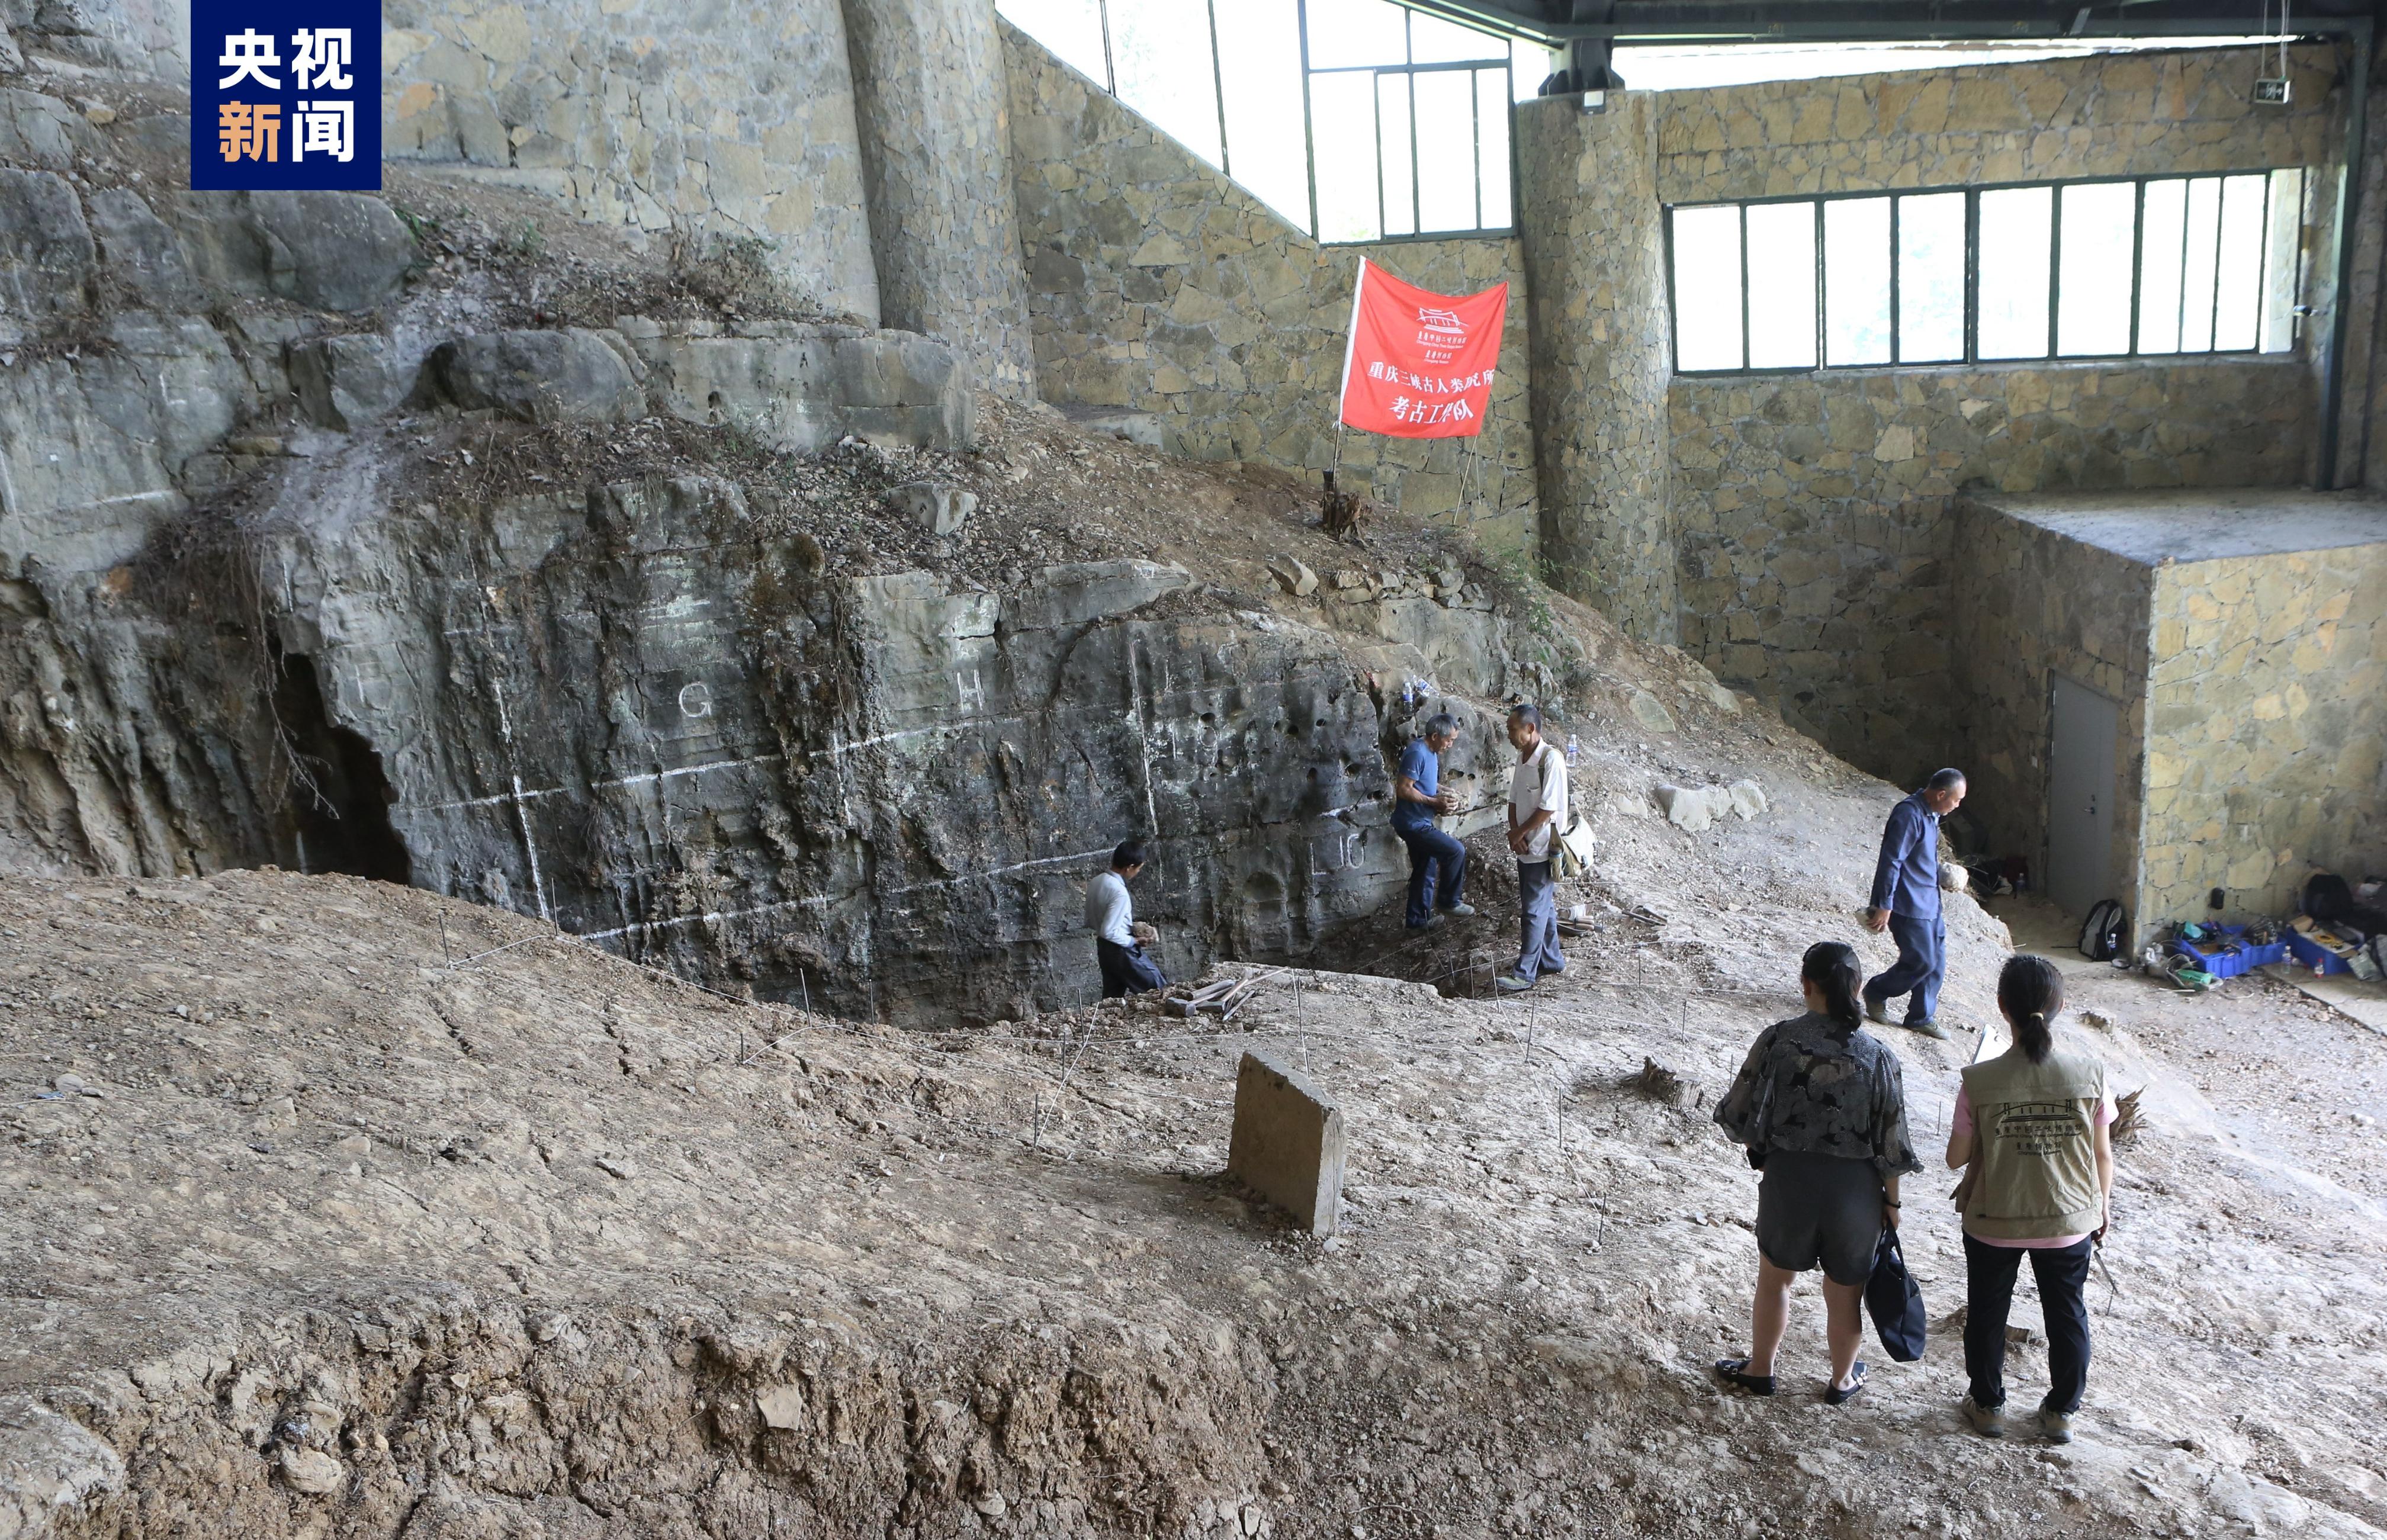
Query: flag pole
(1350, 348)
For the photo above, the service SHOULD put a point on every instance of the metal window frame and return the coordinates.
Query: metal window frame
(1502, 61)
(1971, 297)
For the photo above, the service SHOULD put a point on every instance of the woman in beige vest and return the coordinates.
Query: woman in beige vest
(2034, 1127)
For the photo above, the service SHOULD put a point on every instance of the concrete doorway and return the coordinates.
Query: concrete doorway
(2084, 729)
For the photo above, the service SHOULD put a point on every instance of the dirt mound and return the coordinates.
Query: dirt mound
(334, 1207)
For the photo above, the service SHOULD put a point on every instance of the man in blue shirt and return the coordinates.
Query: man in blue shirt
(1906, 903)
(1438, 862)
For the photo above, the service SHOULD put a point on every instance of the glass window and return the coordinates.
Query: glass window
(2094, 232)
(1395, 163)
(2282, 249)
(1856, 281)
(1259, 75)
(1344, 34)
(1161, 58)
(1390, 132)
(1445, 149)
(1073, 29)
(2163, 251)
(1494, 206)
(1931, 278)
(1706, 288)
(1781, 286)
(1435, 41)
(2201, 260)
(1343, 119)
(2238, 275)
(2148, 267)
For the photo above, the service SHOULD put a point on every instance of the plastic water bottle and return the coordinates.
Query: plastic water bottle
(1574, 750)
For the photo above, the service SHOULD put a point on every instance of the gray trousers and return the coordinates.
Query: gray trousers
(1537, 920)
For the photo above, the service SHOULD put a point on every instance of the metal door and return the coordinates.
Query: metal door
(2085, 728)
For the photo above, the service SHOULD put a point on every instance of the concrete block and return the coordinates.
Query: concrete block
(1288, 1143)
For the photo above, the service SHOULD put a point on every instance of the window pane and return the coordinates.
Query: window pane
(1435, 41)
(1160, 51)
(1529, 65)
(2240, 280)
(2161, 253)
(1446, 150)
(1930, 277)
(2201, 247)
(2013, 260)
(1352, 31)
(1781, 286)
(2093, 312)
(1706, 288)
(1393, 154)
(2282, 257)
(1343, 116)
(1260, 69)
(1492, 105)
(1856, 281)
(1072, 29)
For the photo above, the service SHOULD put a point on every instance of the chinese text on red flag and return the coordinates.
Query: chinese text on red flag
(1419, 364)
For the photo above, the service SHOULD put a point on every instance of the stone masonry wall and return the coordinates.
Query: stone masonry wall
(2266, 725)
(2035, 602)
(1588, 209)
(1813, 511)
(735, 119)
(1163, 295)
(2108, 114)
(935, 150)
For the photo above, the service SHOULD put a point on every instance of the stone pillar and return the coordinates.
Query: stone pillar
(936, 158)
(1595, 263)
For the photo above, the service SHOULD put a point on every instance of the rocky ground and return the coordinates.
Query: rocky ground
(338, 1208)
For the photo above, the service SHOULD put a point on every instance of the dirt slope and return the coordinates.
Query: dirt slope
(542, 1245)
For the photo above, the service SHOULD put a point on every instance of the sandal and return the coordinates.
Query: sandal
(1834, 1396)
(1731, 1373)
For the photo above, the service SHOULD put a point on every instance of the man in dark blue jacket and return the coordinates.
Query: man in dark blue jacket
(1906, 903)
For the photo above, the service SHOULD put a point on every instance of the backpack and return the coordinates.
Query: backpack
(1571, 848)
(2102, 932)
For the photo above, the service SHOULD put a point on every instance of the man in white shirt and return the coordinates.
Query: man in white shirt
(1118, 940)
(1537, 793)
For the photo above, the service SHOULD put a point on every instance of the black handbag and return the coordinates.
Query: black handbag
(1894, 1301)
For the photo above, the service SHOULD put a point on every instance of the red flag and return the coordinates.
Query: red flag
(1420, 364)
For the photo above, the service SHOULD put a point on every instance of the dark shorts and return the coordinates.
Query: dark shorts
(1816, 1209)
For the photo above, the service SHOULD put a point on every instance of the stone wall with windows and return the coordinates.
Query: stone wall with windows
(1167, 300)
(1813, 511)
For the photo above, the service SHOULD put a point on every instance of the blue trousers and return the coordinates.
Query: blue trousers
(1537, 920)
(1438, 870)
(1922, 963)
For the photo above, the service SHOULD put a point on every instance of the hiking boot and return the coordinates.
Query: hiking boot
(1988, 1421)
(1929, 1027)
(1510, 983)
(1875, 1014)
(1461, 910)
(2054, 1426)
(1426, 924)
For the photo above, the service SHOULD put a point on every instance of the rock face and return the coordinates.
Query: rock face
(802, 388)
(569, 376)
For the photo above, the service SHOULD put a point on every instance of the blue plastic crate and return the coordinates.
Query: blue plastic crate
(2218, 957)
(2313, 955)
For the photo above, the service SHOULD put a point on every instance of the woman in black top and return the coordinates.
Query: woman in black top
(1822, 1108)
